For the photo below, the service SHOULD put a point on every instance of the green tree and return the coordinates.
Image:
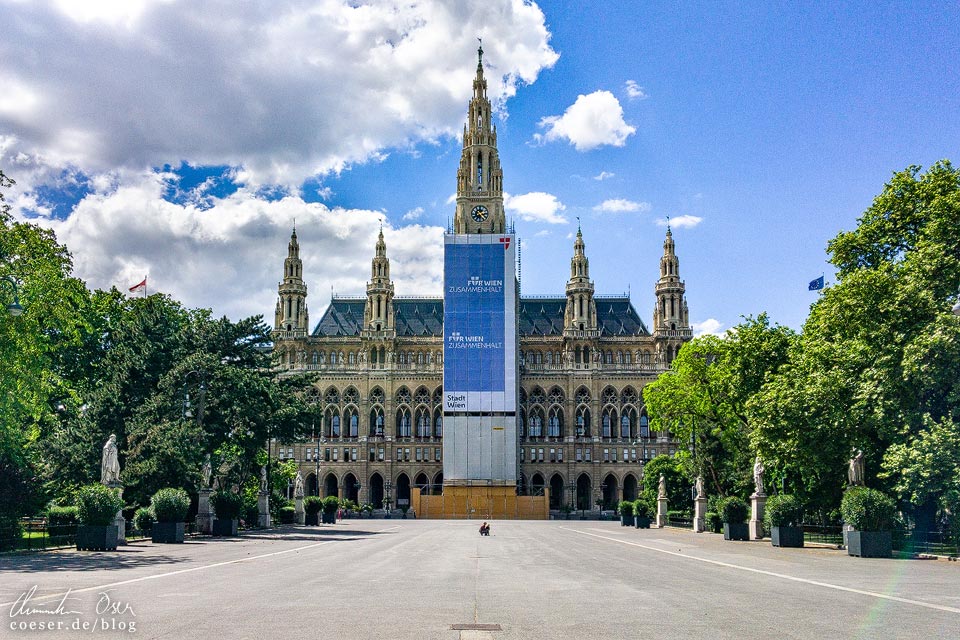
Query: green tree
(878, 358)
(678, 486)
(703, 400)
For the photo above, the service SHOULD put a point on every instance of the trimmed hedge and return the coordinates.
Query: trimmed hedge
(642, 508)
(227, 505)
(59, 516)
(170, 505)
(143, 519)
(714, 521)
(783, 510)
(734, 510)
(331, 504)
(312, 505)
(626, 508)
(868, 509)
(97, 505)
(288, 514)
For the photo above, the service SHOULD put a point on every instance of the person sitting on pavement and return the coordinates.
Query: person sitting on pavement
(484, 529)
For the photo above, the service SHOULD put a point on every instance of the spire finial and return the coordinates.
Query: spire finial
(480, 52)
(669, 233)
(578, 226)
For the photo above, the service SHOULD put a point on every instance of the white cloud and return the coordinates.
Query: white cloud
(634, 91)
(413, 214)
(710, 326)
(283, 92)
(620, 205)
(230, 257)
(592, 121)
(680, 221)
(603, 175)
(536, 206)
(542, 233)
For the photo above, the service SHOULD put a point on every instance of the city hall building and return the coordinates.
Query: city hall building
(484, 402)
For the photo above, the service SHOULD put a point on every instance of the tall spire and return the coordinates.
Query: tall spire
(581, 311)
(378, 311)
(671, 317)
(291, 314)
(479, 178)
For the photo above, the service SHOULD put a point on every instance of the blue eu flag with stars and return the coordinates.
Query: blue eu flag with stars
(816, 285)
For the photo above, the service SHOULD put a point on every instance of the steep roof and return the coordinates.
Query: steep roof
(537, 316)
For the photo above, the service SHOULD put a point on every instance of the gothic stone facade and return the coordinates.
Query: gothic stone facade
(378, 361)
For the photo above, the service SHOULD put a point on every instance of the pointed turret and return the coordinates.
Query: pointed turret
(671, 317)
(479, 179)
(378, 311)
(292, 316)
(580, 315)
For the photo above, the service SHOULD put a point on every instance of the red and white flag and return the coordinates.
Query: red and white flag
(141, 286)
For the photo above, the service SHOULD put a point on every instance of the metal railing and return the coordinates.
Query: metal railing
(824, 534)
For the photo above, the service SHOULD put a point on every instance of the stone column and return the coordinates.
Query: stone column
(263, 503)
(757, 503)
(662, 512)
(204, 512)
(298, 506)
(699, 515)
(120, 523)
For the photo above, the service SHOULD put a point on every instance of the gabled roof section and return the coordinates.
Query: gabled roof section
(423, 317)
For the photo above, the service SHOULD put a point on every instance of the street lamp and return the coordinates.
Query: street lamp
(388, 498)
(14, 307)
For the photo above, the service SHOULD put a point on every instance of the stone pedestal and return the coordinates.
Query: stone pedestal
(204, 512)
(699, 515)
(118, 520)
(263, 505)
(662, 512)
(757, 504)
(298, 507)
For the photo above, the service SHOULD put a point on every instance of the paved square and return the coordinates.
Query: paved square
(419, 579)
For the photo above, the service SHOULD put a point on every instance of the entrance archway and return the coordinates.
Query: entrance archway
(351, 488)
(311, 483)
(556, 491)
(584, 487)
(403, 490)
(438, 484)
(536, 485)
(611, 489)
(330, 486)
(422, 483)
(630, 487)
(375, 490)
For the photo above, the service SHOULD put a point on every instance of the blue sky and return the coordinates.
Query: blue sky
(761, 130)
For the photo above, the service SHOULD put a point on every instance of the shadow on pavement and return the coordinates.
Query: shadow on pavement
(70, 560)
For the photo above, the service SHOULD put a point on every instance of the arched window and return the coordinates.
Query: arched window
(555, 423)
(335, 426)
(608, 422)
(354, 424)
(536, 423)
(403, 422)
(376, 421)
(583, 422)
(625, 425)
(644, 425)
(438, 425)
(423, 423)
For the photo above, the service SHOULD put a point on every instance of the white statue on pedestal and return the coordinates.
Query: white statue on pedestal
(662, 488)
(206, 471)
(758, 477)
(856, 471)
(263, 479)
(298, 485)
(699, 485)
(109, 462)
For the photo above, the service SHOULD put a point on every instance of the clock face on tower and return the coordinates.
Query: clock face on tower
(479, 213)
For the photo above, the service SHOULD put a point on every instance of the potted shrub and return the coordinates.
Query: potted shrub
(871, 513)
(566, 510)
(143, 520)
(311, 508)
(330, 506)
(61, 524)
(783, 516)
(733, 512)
(288, 514)
(714, 522)
(367, 508)
(404, 508)
(170, 508)
(626, 513)
(226, 507)
(642, 514)
(97, 508)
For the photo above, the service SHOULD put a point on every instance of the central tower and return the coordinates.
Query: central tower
(480, 330)
(479, 178)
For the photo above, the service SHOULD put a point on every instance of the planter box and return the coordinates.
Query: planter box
(167, 532)
(786, 536)
(224, 527)
(642, 522)
(870, 544)
(736, 531)
(97, 538)
(329, 518)
(626, 521)
(312, 519)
